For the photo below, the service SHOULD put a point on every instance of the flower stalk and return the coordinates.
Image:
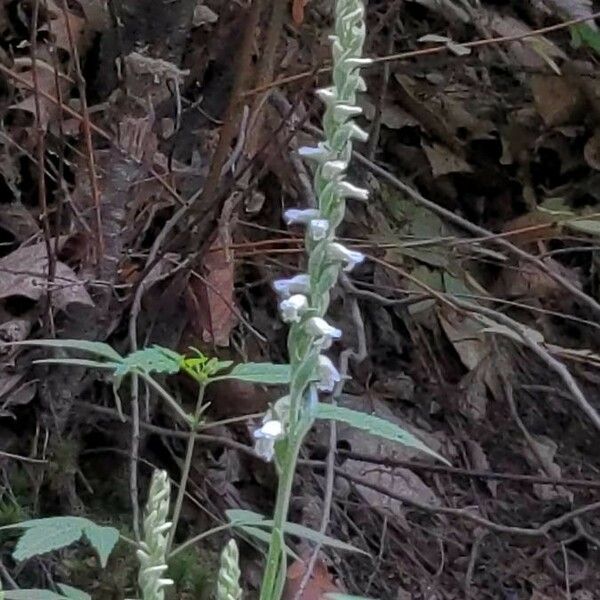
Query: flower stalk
(305, 298)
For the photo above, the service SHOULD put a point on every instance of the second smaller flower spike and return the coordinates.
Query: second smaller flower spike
(299, 284)
(292, 308)
(350, 258)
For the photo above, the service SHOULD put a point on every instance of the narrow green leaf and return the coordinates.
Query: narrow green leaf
(102, 539)
(33, 595)
(73, 593)
(77, 362)
(589, 226)
(45, 535)
(264, 536)
(243, 518)
(151, 360)
(267, 373)
(98, 348)
(373, 425)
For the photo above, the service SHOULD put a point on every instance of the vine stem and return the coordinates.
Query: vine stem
(185, 473)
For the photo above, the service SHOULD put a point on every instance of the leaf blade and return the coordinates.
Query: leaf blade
(267, 373)
(103, 539)
(373, 425)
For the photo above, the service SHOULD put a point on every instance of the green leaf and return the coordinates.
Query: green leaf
(264, 536)
(589, 226)
(151, 360)
(73, 593)
(45, 535)
(243, 518)
(583, 33)
(267, 373)
(33, 595)
(77, 362)
(53, 533)
(373, 425)
(98, 348)
(102, 539)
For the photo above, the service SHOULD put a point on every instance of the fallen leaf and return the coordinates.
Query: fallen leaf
(479, 462)
(444, 161)
(211, 298)
(24, 272)
(591, 151)
(319, 583)
(558, 100)
(298, 7)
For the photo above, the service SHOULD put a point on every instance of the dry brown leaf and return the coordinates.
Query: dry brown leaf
(522, 51)
(298, 7)
(591, 151)
(211, 299)
(24, 272)
(320, 581)
(558, 100)
(444, 161)
(479, 462)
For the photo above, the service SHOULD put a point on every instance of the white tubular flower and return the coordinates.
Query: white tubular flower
(302, 216)
(265, 438)
(327, 95)
(348, 190)
(321, 329)
(333, 168)
(299, 284)
(292, 308)
(318, 229)
(342, 112)
(350, 258)
(328, 374)
(320, 153)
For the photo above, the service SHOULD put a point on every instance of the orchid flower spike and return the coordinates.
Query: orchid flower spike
(318, 229)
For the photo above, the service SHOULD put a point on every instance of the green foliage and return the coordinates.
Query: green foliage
(53, 533)
(191, 573)
(267, 373)
(247, 520)
(201, 367)
(373, 425)
(583, 35)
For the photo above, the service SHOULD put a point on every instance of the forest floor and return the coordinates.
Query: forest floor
(168, 134)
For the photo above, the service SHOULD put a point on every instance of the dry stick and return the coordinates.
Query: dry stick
(228, 130)
(558, 367)
(443, 48)
(87, 134)
(475, 229)
(40, 149)
(11, 74)
(461, 513)
(443, 469)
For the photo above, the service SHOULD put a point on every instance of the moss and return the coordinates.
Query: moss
(194, 574)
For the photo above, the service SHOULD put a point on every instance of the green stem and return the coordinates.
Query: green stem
(185, 473)
(276, 556)
(198, 538)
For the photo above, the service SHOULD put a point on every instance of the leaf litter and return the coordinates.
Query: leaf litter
(503, 135)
